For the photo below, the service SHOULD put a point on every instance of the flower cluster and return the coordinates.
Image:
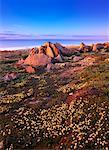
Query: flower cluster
(77, 122)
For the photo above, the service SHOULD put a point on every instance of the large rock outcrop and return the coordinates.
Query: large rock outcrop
(47, 53)
(43, 56)
(35, 59)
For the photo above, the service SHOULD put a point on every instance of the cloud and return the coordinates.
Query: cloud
(11, 35)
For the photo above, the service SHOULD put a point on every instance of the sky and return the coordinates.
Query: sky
(53, 18)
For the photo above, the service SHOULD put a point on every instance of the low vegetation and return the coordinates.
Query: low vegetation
(66, 108)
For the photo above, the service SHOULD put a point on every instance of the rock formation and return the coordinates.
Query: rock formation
(97, 47)
(84, 48)
(50, 53)
(51, 49)
(63, 50)
(43, 56)
(106, 46)
(39, 59)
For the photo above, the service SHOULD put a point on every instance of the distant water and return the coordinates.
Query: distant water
(23, 44)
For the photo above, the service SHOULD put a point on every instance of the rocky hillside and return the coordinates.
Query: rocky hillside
(64, 106)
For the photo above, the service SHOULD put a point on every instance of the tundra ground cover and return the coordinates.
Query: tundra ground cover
(50, 111)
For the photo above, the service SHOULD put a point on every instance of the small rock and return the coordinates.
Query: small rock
(10, 76)
(7, 77)
(13, 75)
(30, 69)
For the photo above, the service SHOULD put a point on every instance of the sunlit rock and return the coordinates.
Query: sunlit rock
(39, 59)
(52, 51)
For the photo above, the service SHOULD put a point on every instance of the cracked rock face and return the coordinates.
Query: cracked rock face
(46, 53)
(39, 59)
